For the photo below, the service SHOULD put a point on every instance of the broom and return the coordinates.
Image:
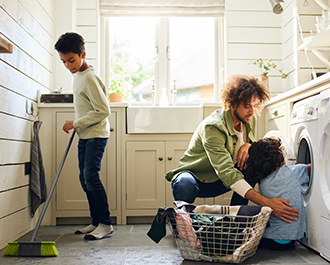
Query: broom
(33, 248)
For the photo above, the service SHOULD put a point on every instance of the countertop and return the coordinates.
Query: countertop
(309, 88)
(70, 105)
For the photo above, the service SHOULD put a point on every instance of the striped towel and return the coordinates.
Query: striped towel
(37, 177)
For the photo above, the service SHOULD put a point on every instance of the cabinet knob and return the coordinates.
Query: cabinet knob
(169, 158)
(160, 158)
(111, 129)
(275, 113)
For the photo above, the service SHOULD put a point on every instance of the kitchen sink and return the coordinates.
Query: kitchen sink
(154, 119)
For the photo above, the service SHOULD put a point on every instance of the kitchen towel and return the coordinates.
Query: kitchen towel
(37, 177)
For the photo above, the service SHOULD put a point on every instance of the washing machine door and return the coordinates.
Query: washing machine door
(288, 147)
(303, 151)
(324, 167)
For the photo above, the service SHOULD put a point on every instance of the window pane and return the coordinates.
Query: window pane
(192, 58)
(132, 44)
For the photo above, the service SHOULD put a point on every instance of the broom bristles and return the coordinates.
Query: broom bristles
(11, 249)
(48, 249)
(31, 249)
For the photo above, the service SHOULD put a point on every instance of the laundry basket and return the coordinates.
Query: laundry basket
(218, 237)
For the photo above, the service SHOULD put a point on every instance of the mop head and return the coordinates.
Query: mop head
(31, 249)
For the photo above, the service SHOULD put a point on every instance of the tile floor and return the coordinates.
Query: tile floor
(130, 245)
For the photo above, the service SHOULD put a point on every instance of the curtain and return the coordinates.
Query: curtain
(162, 8)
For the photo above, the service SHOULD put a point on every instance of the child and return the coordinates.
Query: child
(266, 165)
(92, 125)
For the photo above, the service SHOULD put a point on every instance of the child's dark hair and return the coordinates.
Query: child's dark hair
(265, 156)
(70, 42)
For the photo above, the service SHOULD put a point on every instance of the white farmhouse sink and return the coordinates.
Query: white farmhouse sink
(176, 119)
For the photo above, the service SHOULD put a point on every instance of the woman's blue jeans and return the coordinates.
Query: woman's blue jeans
(90, 153)
(186, 187)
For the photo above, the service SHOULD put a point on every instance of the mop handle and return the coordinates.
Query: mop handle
(51, 190)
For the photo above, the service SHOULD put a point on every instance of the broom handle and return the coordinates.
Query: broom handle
(51, 190)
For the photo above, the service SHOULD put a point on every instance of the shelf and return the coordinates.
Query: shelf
(5, 46)
(320, 41)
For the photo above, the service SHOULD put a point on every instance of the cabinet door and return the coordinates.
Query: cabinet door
(145, 167)
(277, 118)
(69, 194)
(174, 152)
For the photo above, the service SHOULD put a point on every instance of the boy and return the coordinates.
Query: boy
(92, 125)
(266, 165)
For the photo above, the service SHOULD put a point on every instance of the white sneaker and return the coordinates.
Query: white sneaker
(100, 232)
(86, 230)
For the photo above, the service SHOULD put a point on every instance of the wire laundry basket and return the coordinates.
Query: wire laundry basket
(217, 237)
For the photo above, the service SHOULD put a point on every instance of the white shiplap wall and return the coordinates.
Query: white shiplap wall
(28, 25)
(253, 32)
(79, 16)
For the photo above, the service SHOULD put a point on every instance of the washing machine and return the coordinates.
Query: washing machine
(302, 148)
(304, 136)
(324, 171)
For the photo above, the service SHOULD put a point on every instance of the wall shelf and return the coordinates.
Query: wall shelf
(318, 43)
(5, 46)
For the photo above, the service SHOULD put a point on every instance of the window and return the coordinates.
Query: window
(180, 53)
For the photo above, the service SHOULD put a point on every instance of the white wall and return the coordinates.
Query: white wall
(28, 25)
(253, 31)
(32, 26)
(79, 16)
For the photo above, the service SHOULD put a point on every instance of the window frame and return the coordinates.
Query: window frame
(162, 64)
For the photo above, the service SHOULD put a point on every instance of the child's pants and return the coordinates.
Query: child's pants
(90, 153)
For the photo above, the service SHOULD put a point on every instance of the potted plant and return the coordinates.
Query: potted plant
(117, 90)
(265, 68)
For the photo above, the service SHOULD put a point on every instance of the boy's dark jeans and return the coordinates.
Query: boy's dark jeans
(90, 153)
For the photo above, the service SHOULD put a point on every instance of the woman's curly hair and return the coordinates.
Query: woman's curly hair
(241, 88)
(265, 156)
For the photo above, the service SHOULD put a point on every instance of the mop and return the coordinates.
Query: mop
(34, 248)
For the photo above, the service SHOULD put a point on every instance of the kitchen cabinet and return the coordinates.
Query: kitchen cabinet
(69, 203)
(70, 197)
(145, 168)
(146, 165)
(277, 117)
(69, 194)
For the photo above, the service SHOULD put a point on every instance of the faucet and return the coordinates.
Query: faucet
(153, 91)
(174, 91)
